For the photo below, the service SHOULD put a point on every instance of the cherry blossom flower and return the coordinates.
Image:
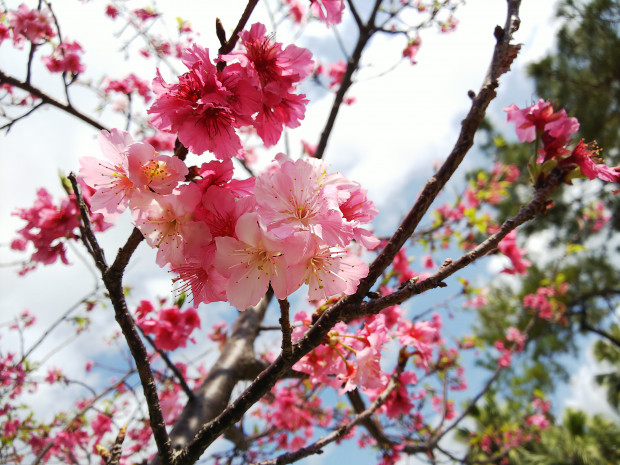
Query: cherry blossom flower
(411, 50)
(252, 262)
(167, 222)
(294, 199)
(109, 179)
(65, 59)
(538, 117)
(148, 170)
(170, 326)
(508, 246)
(332, 271)
(34, 25)
(328, 11)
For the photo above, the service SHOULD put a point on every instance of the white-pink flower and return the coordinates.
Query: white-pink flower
(109, 179)
(253, 261)
(295, 198)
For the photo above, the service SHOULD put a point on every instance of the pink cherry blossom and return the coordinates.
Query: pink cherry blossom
(149, 170)
(109, 179)
(538, 118)
(508, 246)
(332, 271)
(328, 11)
(65, 59)
(584, 156)
(166, 221)
(197, 108)
(34, 25)
(252, 262)
(411, 51)
(171, 326)
(294, 199)
(47, 226)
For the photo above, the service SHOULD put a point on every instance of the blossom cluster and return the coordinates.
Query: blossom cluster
(255, 88)
(170, 326)
(36, 26)
(553, 130)
(229, 239)
(25, 24)
(49, 225)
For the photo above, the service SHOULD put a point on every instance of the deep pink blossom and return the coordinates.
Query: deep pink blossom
(65, 59)
(508, 246)
(131, 83)
(411, 50)
(34, 25)
(538, 118)
(585, 156)
(171, 326)
(47, 226)
(197, 108)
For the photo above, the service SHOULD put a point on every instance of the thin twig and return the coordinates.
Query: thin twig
(234, 37)
(5, 78)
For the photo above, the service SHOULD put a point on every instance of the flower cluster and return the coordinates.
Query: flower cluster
(255, 88)
(171, 326)
(228, 239)
(49, 225)
(552, 131)
(26, 24)
(65, 59)
(547, 301)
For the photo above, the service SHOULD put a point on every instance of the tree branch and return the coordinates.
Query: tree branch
(317, 447)
(113, 280)
(235, 362)
(5, 78)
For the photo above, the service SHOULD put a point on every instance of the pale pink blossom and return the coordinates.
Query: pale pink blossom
(166, 221)
(109, 179)
(253, 261)
(294, 198)
(149, 170)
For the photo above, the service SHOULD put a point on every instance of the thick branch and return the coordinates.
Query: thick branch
(234, 363)
(536, 206)
(113, 280)
(503, 56)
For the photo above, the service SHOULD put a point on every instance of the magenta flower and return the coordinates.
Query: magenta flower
(508, 246)
(538, 118)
